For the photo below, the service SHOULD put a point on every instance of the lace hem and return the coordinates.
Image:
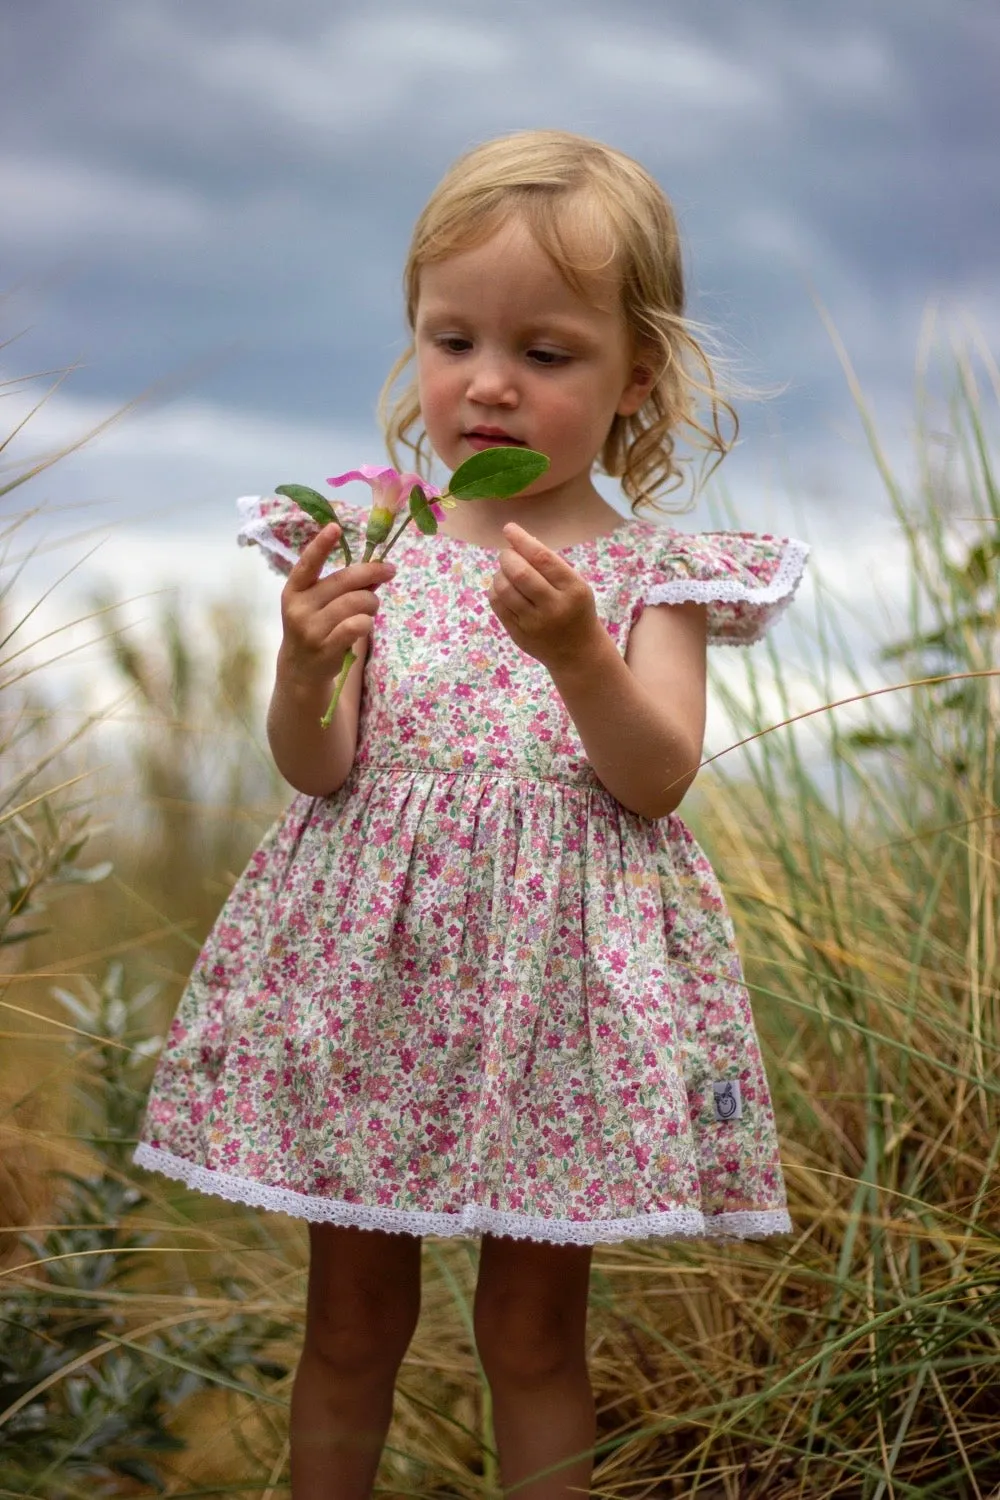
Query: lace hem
(473, 1221)
(779, 592)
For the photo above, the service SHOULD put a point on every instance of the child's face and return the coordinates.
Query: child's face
(502, 342)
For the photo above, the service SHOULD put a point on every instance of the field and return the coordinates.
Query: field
(149, 1335)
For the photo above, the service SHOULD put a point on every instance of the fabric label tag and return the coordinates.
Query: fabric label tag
(726, 1098)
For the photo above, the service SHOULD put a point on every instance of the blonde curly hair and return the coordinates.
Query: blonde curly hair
(537, 176)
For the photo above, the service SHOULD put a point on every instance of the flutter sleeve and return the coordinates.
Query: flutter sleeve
(281, 529)
(747, 579)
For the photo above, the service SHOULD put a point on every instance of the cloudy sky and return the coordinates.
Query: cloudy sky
(216, 199)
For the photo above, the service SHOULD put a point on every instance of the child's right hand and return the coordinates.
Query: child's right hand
(322, 617)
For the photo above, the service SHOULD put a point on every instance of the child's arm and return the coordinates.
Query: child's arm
(321, 617)
(642, 718)
(314, 760)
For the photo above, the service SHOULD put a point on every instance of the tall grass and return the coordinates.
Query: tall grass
(82, 1409)
(859, 1357)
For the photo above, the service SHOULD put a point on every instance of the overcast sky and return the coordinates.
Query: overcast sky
(221, 194)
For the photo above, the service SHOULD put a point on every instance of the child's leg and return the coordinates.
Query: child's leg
(362, 1308)
(530, 1320)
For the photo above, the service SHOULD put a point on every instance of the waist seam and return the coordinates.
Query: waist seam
(578, 786)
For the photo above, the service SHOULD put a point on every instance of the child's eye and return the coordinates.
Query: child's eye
(547, 357)
(453, 344)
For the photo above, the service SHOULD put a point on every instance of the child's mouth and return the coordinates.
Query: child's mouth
(480, 439)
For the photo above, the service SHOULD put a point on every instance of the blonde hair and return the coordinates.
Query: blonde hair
(535, 175)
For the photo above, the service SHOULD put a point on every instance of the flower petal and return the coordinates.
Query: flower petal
(390, 490)
(409, 480)
(369, 473)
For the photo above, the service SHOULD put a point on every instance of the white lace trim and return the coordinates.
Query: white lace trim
(778, 592)
(474, 1220)
(254, 529)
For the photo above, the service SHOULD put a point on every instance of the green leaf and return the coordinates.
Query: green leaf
(496, 473)
(978, 570)
(424, 517)
(319, 509)
(211, 1377)
(311, 501)
(874, 739)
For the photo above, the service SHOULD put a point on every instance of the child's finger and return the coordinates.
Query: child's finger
(523, 544)
(305, 572)
(525, 575)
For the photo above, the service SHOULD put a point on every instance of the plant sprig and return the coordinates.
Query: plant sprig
(494, 474)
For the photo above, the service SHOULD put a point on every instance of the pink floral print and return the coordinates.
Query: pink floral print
(470, 992)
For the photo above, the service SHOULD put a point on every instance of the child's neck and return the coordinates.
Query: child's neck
(482, 522)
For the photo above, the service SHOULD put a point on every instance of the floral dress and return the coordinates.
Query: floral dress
(470, 992)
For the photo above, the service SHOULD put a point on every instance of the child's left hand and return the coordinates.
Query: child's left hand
(542, 602)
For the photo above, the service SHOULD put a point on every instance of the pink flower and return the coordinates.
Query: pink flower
(390, 489)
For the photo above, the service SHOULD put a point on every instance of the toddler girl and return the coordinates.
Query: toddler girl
(480, 979)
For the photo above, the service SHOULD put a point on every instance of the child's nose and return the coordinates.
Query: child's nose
(491, 382)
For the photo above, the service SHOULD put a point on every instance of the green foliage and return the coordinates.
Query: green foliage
(858, 1358)
(81, 1405)
(494, 474)
(311, 501)
(867, 915)
(37, 856)
(87, 1382)
(319, 508)
(497, 473)
(423, 517)
(45, 820)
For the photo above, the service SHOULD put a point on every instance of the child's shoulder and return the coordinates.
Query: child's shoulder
(746, 578)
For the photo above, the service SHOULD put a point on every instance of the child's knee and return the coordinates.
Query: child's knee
(361, 1336)
(524, 1346)
(364, 1299)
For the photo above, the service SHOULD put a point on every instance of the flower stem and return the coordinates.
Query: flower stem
(344, 546)
(393, 539)
(406, 521)
(349, 660)
(349, 657)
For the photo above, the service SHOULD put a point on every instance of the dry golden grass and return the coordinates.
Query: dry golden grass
(857, 1358)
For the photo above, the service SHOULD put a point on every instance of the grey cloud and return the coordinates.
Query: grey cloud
(233, 173)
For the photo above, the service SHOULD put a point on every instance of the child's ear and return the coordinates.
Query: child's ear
(641, 381)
